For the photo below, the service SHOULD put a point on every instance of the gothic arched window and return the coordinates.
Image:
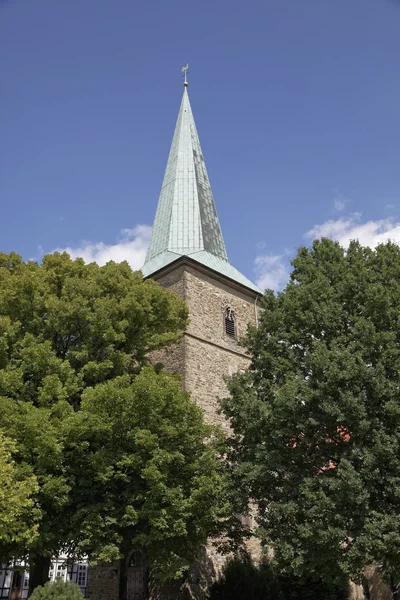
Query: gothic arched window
(230, 322)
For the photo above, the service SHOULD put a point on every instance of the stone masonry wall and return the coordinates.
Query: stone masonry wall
(103, 582)
(205, 367)
(210, 353)
(207, 297)
(206, 354)
(174, 280)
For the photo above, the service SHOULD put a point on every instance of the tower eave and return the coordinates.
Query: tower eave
(204, 261)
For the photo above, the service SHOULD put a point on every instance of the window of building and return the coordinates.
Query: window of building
(230, 322)
(81, 578)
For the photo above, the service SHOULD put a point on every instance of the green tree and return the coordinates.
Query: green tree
(151, 481)
(17, 510)
(316, 420)
(74, 339)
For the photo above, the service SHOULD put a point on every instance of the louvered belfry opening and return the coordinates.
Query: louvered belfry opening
(230, 325)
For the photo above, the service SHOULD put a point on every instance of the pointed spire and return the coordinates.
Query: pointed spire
(186, 221)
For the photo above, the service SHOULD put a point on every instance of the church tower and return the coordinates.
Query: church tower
(187, 254)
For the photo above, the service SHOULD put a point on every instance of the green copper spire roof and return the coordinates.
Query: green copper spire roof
(186, 221)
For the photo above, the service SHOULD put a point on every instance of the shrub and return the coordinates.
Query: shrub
(242, 580)
(294, 589)
(59, 590)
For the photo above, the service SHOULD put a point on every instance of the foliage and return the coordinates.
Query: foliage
(241, 579)
(118, 452)
(17, 511)
(293, 588)
(150, 479)
(316, 420)
(58, 590)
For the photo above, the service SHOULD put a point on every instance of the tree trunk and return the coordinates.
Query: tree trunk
(39, 567)
(122, 579)
(365, 587)
(395, 587)
(16, 585)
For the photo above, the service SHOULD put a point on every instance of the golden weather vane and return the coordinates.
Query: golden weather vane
(184, 69)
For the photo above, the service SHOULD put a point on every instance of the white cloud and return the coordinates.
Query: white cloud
(272, 271)
(131, 246)
(340, 202)
(370, 233)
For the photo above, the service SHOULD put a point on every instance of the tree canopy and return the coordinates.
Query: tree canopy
(117, 449)
(316, 420)
(150, 479)
(18, 516)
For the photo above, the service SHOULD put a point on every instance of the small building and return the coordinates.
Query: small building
(15, 575)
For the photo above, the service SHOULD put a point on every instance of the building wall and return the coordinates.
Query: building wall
(103, 582)
(205, 367)
(204, 357)
(206, 354)
(60, 567)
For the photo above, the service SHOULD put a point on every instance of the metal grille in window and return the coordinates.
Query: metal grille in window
(230, 326)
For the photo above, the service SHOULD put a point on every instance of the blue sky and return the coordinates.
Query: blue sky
(296, 104)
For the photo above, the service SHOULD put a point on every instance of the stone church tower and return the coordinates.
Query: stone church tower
(187, 254)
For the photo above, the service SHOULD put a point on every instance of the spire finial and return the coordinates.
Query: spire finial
(184, 69)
